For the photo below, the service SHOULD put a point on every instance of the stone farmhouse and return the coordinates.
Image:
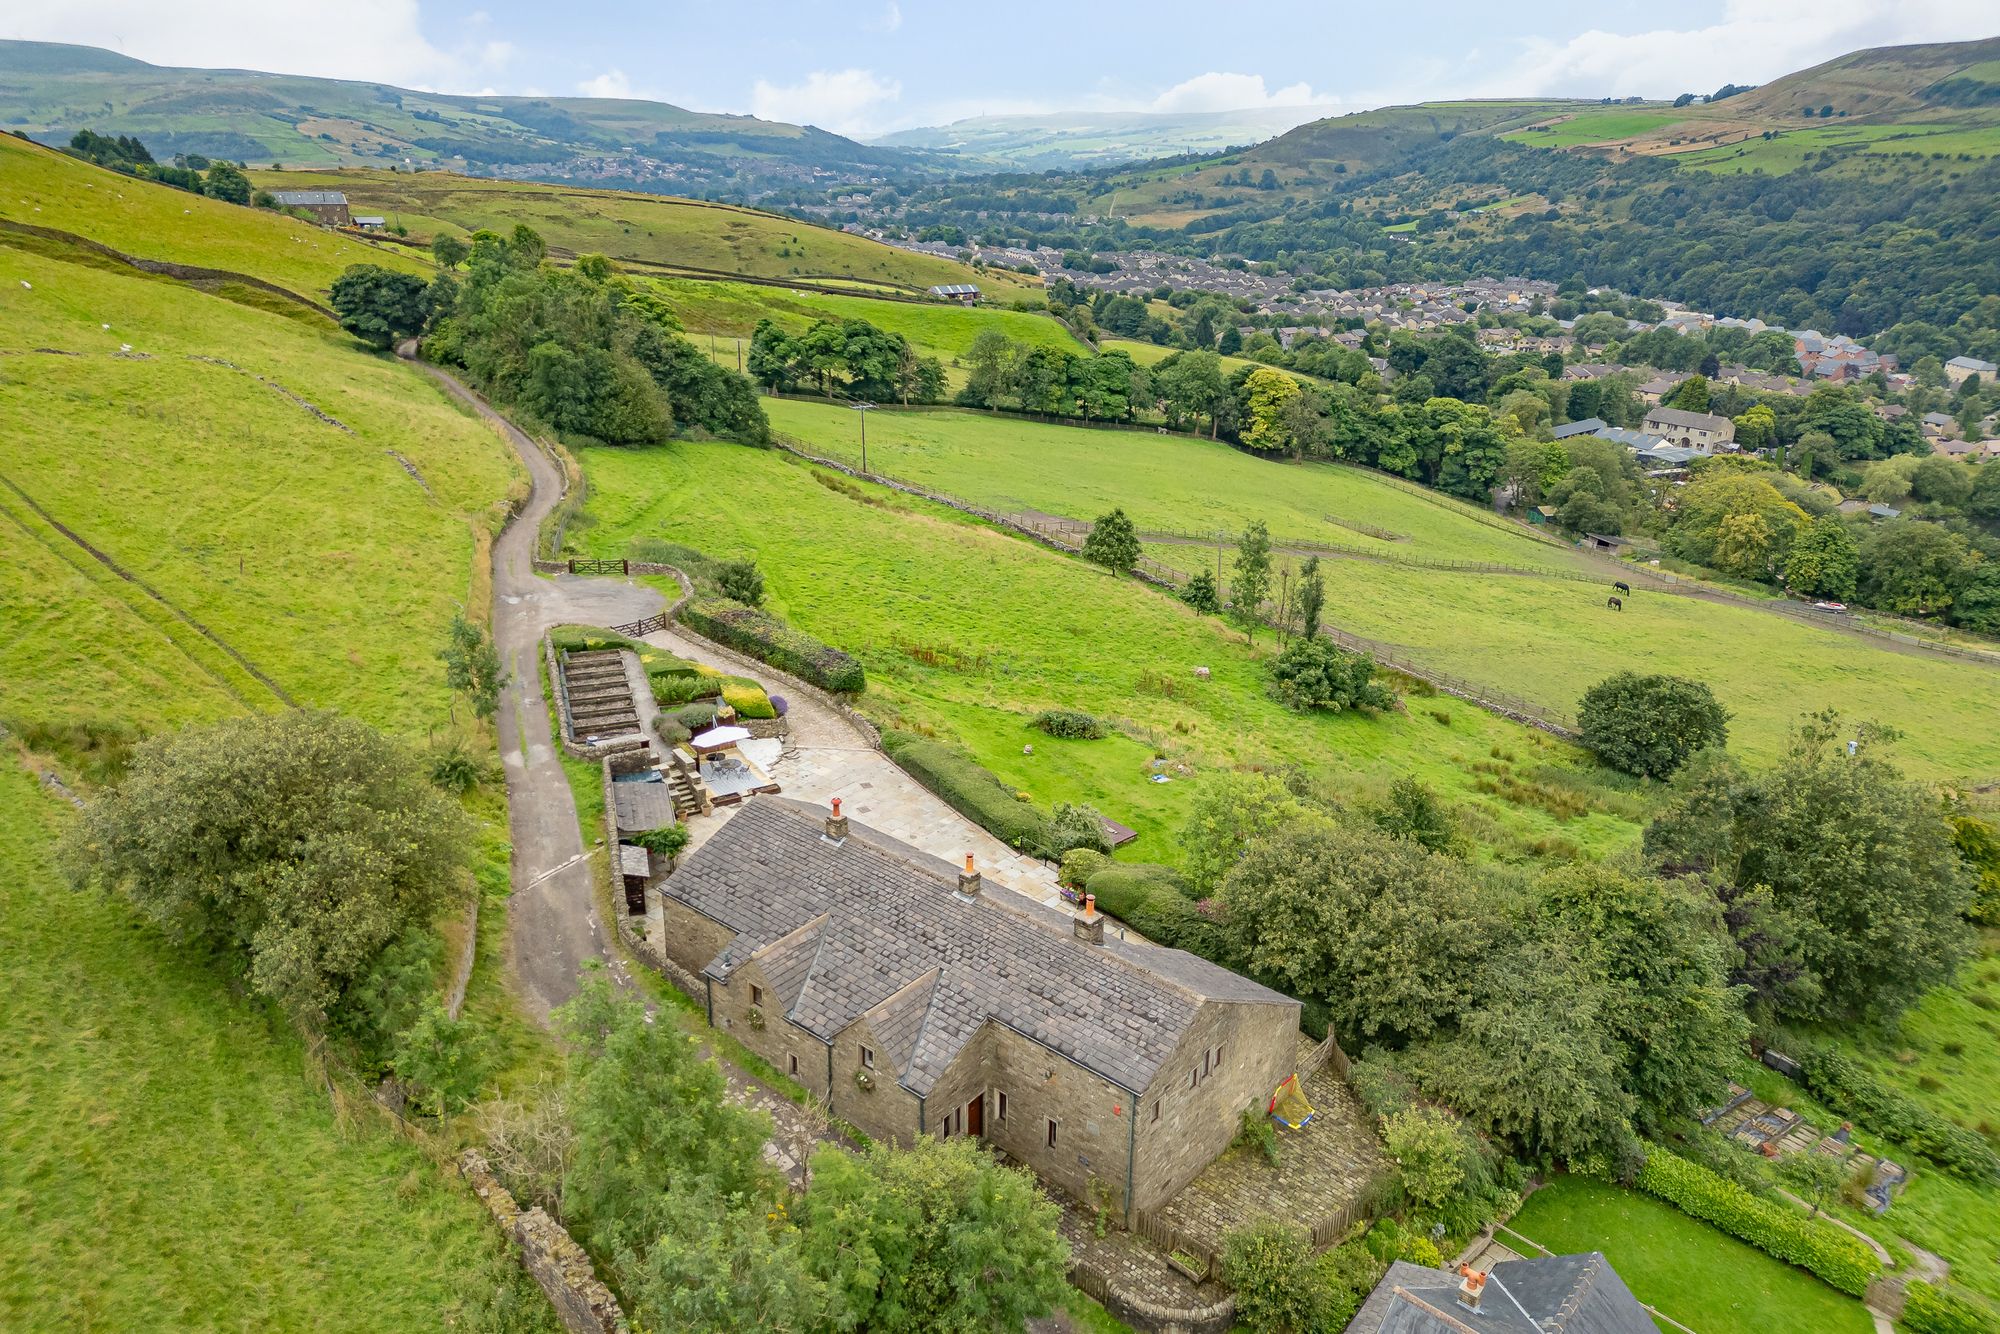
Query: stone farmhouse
(1704, 431)
(327, 207)
(891, 984)
(1581, 1294)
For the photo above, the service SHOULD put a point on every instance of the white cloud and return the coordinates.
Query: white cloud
(381, 40)
(1216, 91)
(611, 83)
(848, 101)
(1754, 41)
(892, 18)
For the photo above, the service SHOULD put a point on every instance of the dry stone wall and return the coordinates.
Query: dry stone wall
(550, 1255)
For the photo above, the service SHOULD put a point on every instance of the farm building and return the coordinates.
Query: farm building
(966, 294)
(370, 222)
(891, 984)
(328, 207)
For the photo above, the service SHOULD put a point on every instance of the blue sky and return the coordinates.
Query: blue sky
(869, 66)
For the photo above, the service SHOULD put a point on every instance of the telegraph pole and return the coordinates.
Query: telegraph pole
(863, 409)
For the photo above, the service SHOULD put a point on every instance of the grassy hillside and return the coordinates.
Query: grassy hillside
(638, 228)
(968, 632)
(1545, 638)
(43, 188)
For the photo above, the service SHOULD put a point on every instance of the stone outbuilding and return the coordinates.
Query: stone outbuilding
(917, 1002)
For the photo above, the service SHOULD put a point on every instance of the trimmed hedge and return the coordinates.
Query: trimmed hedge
(970, 789)
(1929, 1310)
(1847, 1086)
(1079, 864)
(1151, 901)
(1778, 1230)
(747, 698)
(768, 639)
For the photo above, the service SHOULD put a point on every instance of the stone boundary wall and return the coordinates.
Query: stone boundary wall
(1150, 1316)
(550, 1255)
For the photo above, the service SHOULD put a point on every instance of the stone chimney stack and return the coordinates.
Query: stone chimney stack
(968, 879)
(1471, 1283)
(836, 824)
(1089, 924)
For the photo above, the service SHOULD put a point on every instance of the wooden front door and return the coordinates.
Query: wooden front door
(975, 1117)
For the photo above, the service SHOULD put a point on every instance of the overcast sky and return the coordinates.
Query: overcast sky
(862, 67)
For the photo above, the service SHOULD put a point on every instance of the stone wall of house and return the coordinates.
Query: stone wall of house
(1093, 1117)
(888, 1111)
(1199, 1113)
(550, 1255)
(792, 1051)
(689, 939)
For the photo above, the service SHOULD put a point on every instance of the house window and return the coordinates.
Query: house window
(1003, 1107)
(795, 1066)
(1052, 1134)
(757, 996)
(868, 1057)
(1156, 1110)
(1218, 1058)
(1194, 1075)
(1204, 1065)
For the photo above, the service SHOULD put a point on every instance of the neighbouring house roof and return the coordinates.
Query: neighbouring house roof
(1640, 440)
(642, 806)
(1693, 421)
(1588, 426)
(302, 198)
(369, 220)
(1671, 455)
(892, 941)
(1972, 364)
(1663, 384)
(1577, 1294)
(1883, 512)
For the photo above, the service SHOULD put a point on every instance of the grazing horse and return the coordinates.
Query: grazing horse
(1614, 604)
(1623, 587)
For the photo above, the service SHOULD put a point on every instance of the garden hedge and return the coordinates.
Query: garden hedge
(1929, 1310)
(768, 639)
(970, 789)
(1151, 900)
(1847, 1086)
(747, 698)
(1777, 1230)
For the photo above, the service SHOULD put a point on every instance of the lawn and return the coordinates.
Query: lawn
(1483, 627)
(1692, 1272)
(45, 188)
(968, 631)
(171, 1163)
(656, 229)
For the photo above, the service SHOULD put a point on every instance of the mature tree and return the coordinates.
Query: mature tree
(1230, 812)
(774, 357)
(225, 182)
(1390, 937)
(1425, 1145)
(448, 250)
(1816, 1177)
(1824, 560)
(1312, 596)
(1200, 594)
(1314, 674)
(472, 666)
(1112, 543)
(1250, 577)
(379, 305)
(1650, 725)
(1414, 812)
(1190, 384)
(1267, 393)
(1734, 521)
(297, 845)
(935, 1236)
(1840, 876)
(1937, 480)
(993, 370)
(1914, 568)
(1757, 428)
(1691, 394)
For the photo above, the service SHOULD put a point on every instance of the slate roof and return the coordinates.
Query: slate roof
(954, 289)
(890, 918)
(643, 806)
(301, 198)
(1699, 421)
(1972, 364)
(1574, 1294)
(1588, 426)
(633, 860)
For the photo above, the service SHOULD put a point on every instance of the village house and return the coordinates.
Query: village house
(1960, 369)
(1660, 386)
(917, 1002)
(1696, 430)
(327, 207)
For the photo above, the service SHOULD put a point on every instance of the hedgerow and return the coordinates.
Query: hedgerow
(1850, 1089)
(1840, 1260)
(971, 790)
(1929, 1310)
(765, 637)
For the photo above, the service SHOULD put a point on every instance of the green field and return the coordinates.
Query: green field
(43, 188)
(1792, 148)
(1547, 639)
(968, 631)
(655, 229)
(1699, 1276)
(1152, 354)
(1598, 127)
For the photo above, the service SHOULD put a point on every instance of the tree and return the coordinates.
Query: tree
(1312, 597)
(439, 1062)
(1191, 386)
(1267, 392)
(993, 370)
(1824, 561)
(1314, 674)
(1650, 725)
(1230, 812)
(935, 1236)
(1817, 1177)
(448, 250)
(1391, 938)
(1914, 568)
(1201, 595)
(472, 666)
(1838, 876)
(379, 305)
(298, 846)
(1250, 577)
(1691, 395)
(1112, 543)
(226, 183)
(1423, 1142)
(1414, 812)
(1230, 343)
(1281, 1287)
(1757, 428)
(741, 581)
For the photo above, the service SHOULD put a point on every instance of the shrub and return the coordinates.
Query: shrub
(1077, 826)
(971, 790)
(1780, 1231)
(1070, 723)
(1150, 900)
(741, 581)
(1929, 1310)
(670, 729)
(747, 698)
(1846, 1085)
(765, 637)
(454, 770)
(1254, 1130)
(695, 717)
(1425, 1144)
(669, 691)
(668, 842)
(1313, 674)
(1079, 864)
(1650, 725)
